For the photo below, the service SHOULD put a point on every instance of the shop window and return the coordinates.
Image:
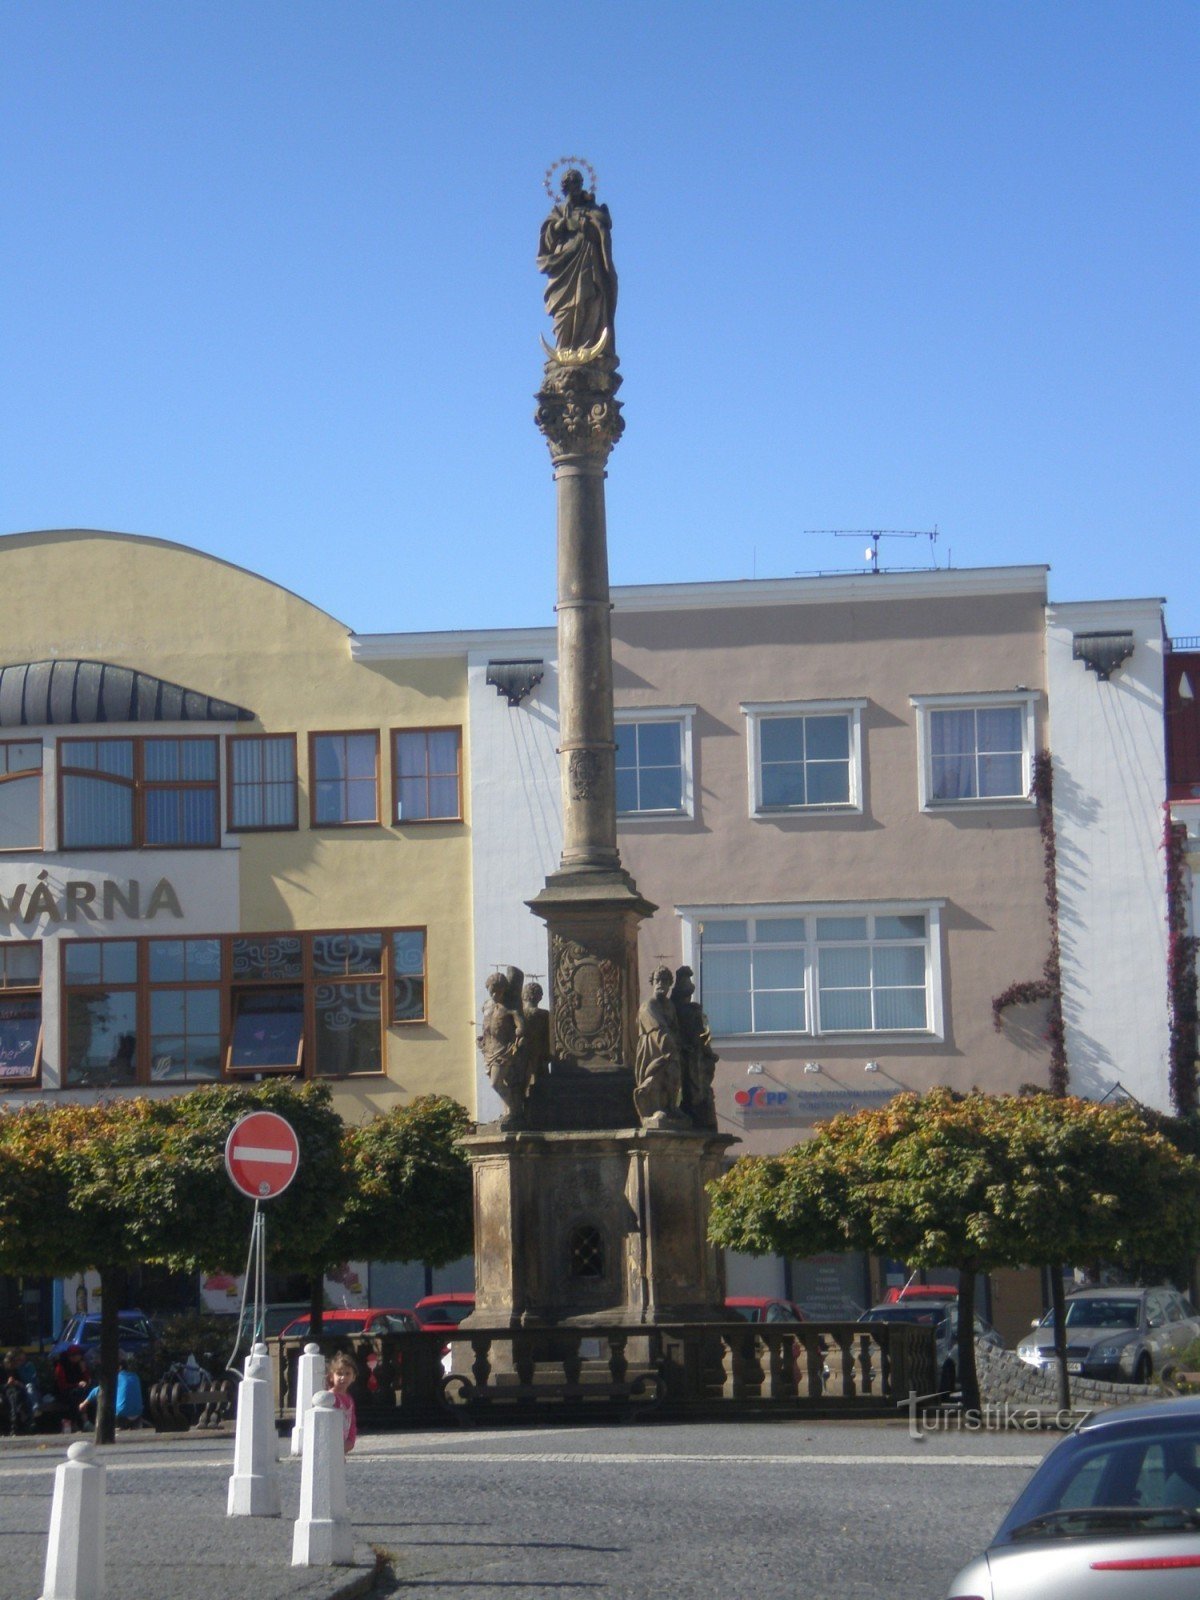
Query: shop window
(262, 781)
(189, 1010)
(344, 778)
(20, 1012)
(183, 981)
(153, 793)
(427, 774)
(20, 794)
(100, 1004)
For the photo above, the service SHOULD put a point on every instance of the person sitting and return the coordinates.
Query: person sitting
(72, 1380)
(130, 1405)
(20, 1392)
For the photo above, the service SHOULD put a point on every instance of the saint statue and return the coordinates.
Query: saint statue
(502, 1040)
(575, 253)
(537, 1034)
(699, 1057)
(657, 1062)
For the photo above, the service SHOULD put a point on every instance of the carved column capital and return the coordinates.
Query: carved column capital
(578, 410)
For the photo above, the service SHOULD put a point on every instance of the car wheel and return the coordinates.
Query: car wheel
(1143, 1372)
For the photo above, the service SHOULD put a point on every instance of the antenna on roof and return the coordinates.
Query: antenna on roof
(871, 553)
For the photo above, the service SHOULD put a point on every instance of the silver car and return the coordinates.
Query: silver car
(1113, 1511)
(1125, 1333)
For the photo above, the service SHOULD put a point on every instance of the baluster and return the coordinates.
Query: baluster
(814, 1361)
(523, 1362)
(864, 1363)
(845, 1341)
(481, 1369)
(781, 1349)
(572, 1365)
(618, 1366)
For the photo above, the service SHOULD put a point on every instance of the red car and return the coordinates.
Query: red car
(442, 1313)
(763, 1308)
(366, 1322)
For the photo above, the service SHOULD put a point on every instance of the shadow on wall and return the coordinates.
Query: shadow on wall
(1091, 1067)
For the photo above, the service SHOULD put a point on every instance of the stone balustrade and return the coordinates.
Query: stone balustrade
(714, 1368)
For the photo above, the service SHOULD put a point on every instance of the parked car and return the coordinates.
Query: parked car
(921, 1291)
(942, 1317)
(1120, 1333)
(442, 1313)
(762, 1308)
(275, 1318)
(135, 1336)
(365, 1323)
(1112, 1511)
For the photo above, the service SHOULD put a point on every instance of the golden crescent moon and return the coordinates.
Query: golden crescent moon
(579, 357)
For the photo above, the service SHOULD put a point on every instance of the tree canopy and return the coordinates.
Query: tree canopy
(970, 1181)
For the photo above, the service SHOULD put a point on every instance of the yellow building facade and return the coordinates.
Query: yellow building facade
(227, 848)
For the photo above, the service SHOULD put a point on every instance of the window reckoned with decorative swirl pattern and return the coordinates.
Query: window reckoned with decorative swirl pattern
(195, 1009)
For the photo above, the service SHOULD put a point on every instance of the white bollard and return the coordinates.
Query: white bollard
(310, 1380)
(323, 1536)
(75, 1554)
(254, 1486)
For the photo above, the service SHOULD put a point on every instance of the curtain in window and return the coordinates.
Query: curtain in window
(952, 754)
(96, 812)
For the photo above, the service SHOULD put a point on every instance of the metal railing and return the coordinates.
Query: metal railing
(481, 1374)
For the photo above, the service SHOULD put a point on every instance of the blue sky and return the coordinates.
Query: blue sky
(268, 287)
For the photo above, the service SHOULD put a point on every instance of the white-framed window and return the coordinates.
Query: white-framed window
(819, 970)
(804, 755)
(975, 749)
(654, 761)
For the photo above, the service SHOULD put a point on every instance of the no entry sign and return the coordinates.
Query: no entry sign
(262, 1153)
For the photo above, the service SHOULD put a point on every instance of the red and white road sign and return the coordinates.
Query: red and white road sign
(262, 1153)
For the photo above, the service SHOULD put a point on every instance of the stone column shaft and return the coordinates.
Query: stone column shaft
(587, 745)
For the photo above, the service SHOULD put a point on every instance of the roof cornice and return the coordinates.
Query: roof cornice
(936, 584)
(453, 642)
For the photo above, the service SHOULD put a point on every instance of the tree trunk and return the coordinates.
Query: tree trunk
(112, 1292)
(316, 1304)
(968, 1377)
(1058, 1303)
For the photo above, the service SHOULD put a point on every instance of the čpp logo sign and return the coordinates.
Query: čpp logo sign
(761, 1099)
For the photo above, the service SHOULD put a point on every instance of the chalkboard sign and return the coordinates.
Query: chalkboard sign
(20, 1036)
(268, 1030)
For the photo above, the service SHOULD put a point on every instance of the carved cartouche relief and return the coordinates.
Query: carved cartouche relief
(586, 1018)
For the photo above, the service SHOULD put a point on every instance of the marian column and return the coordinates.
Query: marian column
(591, 906)
(590, 1200)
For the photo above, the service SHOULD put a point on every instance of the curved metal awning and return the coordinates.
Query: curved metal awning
(33, 693)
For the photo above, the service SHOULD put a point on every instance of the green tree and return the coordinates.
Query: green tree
(973, 1182)
(409, 1191)
(117, 1184)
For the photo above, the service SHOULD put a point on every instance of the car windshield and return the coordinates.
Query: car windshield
(926, 1315)
(444, 1311)
(1141, 1483)
(1107, 1313)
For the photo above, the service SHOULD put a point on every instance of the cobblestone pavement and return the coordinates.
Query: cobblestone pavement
(830, 1511)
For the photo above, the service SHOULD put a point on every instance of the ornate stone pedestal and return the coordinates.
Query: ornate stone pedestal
(576, 1228)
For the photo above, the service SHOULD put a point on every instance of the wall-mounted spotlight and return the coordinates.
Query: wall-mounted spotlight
(754, 1069)
(871, 1066)
(812, 1066)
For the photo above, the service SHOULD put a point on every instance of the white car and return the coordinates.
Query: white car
(1124, 1333)
(1112, 1513)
